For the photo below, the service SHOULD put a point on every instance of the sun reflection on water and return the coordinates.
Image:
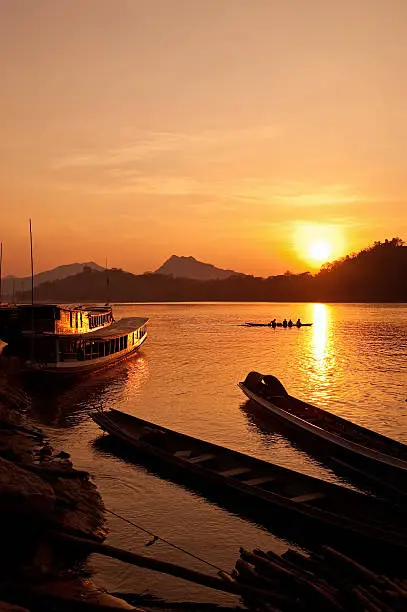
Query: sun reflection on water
(320, 332)
(323, 353)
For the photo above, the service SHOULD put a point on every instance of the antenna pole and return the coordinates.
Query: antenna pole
(32, 266)
(107, 283)
(1, 263)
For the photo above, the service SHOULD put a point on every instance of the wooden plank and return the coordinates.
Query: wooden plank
(201, 458)
(235, 471)
(307, 497)
(255, 482)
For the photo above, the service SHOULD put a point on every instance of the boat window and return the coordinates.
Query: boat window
(70, 319)
(125, 342)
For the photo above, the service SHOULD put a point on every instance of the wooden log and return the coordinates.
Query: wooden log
(315, 565)
(390, 597)
(402, 592)
(376, 601)
(212, 582)
(367, 605)
(247, 576)
(318, 594)
(250, 575)
(353, 565)
(281, 561)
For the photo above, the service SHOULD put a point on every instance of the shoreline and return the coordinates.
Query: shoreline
(40, 490)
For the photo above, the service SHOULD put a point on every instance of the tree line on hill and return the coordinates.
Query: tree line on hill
(375, 274)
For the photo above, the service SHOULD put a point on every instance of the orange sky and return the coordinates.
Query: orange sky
(237, 131)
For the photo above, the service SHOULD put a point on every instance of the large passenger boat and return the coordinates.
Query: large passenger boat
(69, 340)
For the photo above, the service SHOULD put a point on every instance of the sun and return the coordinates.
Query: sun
(320, 251)
(318, 243)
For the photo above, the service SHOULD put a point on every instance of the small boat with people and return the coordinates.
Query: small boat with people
(331, 512)
(68, 340)
(286, 324)
(375, 452)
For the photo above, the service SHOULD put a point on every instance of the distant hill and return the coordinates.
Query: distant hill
(13, 284)
(189, 267)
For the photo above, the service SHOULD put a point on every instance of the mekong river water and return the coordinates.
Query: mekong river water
(352, 361)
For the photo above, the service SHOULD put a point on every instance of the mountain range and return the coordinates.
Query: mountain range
(175, 266)
(12, 284)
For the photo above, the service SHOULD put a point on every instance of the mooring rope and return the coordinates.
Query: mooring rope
(156, 538)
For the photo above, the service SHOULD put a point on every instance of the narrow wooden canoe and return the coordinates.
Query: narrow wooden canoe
(350, 519)
(376, 452)
(250, 324)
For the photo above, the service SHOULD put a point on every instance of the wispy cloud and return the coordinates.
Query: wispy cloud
(177, 164)
(155, 143)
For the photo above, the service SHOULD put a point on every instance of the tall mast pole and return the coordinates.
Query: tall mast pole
(32, 265)
(32, 296)
(1, 262)
(107, 283)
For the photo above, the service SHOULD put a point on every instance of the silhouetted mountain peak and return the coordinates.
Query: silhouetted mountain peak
(190, 267)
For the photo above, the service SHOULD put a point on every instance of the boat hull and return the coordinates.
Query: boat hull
(82, 367)
(249, 324)
(271, 506)
(377, 462)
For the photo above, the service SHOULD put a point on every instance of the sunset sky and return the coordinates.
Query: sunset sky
(241, 132)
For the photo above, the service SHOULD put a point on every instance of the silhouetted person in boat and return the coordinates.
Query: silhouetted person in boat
(298, 323)
(285, 323)
(290, 323)
(273, 323)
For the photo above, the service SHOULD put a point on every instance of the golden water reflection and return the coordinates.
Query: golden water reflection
(323, 353)
(320, 331)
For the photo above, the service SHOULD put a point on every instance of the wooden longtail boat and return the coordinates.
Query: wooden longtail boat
(376, 452)
(332, 512)
(252, 324)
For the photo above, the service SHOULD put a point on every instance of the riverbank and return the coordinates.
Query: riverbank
(40, 492)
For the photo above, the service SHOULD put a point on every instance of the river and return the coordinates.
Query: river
(352, 361)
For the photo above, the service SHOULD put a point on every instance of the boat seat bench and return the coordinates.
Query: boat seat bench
(259, 481)
(307, 497)
(235, 471)
(201, 458)
(183, 453)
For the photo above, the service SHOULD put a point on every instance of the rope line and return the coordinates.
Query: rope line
(156, 537)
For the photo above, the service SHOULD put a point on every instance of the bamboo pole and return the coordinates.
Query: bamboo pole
(159, 566)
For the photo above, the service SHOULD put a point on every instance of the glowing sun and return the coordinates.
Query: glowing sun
(320, 251)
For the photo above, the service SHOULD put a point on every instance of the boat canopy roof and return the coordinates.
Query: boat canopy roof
(120, 328)
(83, 307)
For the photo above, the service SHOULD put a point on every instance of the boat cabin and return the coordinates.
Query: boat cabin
(52, 319)
(122, 336)
(65, 339)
